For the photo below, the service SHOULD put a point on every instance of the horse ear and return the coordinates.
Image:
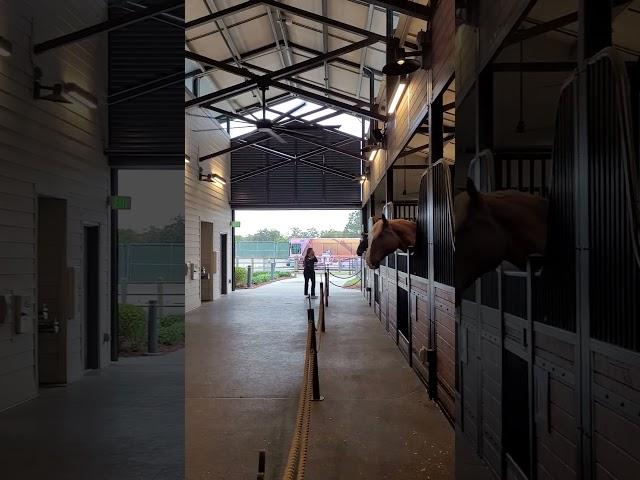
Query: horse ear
(475, 197)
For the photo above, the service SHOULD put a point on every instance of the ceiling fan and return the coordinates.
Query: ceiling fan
(272, 127)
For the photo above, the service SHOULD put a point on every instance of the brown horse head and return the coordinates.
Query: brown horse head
(387, 236)
(494, 227)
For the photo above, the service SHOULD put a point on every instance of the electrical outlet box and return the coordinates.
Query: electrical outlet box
(22, 314)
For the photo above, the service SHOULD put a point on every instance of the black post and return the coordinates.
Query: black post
(326, 281)
(316, 397)
(321, 308)
(233, 245)
(115, 317)
(152, 328)
(261, 464)
(249, 276)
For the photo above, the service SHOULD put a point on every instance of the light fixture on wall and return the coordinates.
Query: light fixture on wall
(80, 95)
(187, 158)
(6, 48)
(62, 92)
(397, 95)
(401, 63)
(375, 142)
(212, 178)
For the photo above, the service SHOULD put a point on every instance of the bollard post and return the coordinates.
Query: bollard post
(273, 269)
(326, 290)
(261, 464)
(321, 308)
(316, 397)
(249, 275)
(326, 278)
(152, 328)
(313, 322)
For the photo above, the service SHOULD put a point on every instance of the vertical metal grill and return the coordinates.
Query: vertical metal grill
(420, 260)
(443, 248)
(558, 277)
(614, 275)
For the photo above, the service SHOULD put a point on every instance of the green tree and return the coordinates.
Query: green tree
(332, 234)
(354, 224)
(266, 235)
(170, 233)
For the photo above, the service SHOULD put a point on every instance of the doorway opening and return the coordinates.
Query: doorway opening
(92, 296)
(515, 414)
(52, 290)
(402, 300)
(223, 264)
(207, 261)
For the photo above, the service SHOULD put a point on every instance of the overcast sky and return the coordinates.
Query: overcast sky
(284, 220)
(157, 196)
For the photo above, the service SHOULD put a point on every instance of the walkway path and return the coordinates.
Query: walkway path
(244, 369)
(124, 422)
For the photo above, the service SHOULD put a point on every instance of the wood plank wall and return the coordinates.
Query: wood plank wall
(205, 202)
(55, 150)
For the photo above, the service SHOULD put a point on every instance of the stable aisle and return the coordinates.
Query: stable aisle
(244, 368)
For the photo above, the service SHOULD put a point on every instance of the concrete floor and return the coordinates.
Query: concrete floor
(125, 422)
(245, 355)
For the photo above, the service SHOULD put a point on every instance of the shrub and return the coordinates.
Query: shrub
(133, 326)
(171, 330)
(241, 276)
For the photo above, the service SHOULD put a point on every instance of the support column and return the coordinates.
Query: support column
(594, 33)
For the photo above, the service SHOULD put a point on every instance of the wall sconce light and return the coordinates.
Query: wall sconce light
(212, 178)
(397, 95)
(400, 63)
(187, 158)
(375, 142)
(80, 95)
(62, 92)
(362, 179)
(6, 48)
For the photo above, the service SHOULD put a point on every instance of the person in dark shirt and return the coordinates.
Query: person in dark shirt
(309, 272)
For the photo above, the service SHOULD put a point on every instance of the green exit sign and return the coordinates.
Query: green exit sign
(235, 224)
(119, 202)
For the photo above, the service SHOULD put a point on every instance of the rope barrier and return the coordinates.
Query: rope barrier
(336, 285)
(345, 278)
(302, 420)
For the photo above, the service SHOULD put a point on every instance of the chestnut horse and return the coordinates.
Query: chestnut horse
(491, 228)
(387, 236)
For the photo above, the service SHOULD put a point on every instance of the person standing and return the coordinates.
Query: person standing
(309, 272)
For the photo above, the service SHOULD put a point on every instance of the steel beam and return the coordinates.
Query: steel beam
(331, 102)
(230, 149)
(324, 168)
(247, 74)
(267, 79)
(314, 141)
(230, 114)
(221, 14)
(325, 44)
(342, 61)
(163, 17)
(407, 7)
(107, 26)
(147, 87)
(325, 20)
(260, 171)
